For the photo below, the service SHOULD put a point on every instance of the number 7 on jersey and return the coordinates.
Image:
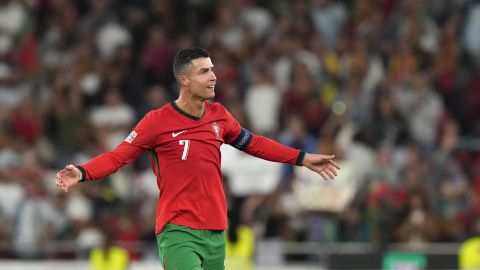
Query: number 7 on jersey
(186, 144)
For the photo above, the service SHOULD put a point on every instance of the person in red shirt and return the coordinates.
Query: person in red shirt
(184, 139)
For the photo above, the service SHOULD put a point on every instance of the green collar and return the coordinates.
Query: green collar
(178, 109)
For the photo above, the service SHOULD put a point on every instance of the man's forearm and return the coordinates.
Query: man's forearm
(106, 164)
(271, 150)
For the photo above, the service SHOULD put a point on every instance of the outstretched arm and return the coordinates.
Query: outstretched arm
(271, 150)
(99, 167)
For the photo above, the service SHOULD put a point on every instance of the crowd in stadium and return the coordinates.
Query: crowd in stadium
(391, 87)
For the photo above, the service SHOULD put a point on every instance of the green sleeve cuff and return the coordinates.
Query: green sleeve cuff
(83, 174)
(300, 157)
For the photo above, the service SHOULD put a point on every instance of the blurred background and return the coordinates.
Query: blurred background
(391, 87)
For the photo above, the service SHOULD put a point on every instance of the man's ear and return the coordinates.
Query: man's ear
(183, 80)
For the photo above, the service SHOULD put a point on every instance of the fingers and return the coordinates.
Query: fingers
(320, 158)
(70, 167)
(334, 164)
(59, 181)
(60, 173)
(324, 165)
(63, 187)
(328, 173)
(61, 184)
(67, 168)
(323, 175)
(331, 173)
(332, 170)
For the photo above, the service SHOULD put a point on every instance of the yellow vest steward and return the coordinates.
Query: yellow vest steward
(469, 254)
(239, 254)
(114, 258)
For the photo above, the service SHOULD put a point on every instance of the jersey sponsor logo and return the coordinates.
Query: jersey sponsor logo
(131, 137)
(178, 133)
(216, 130)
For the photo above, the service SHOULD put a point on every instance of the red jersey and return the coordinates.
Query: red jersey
(186, 159)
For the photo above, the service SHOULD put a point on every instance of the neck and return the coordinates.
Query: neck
(191, 105)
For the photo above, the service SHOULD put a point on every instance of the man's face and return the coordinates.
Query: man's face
(201, 78)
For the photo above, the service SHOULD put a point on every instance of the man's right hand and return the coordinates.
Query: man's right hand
(68, 177)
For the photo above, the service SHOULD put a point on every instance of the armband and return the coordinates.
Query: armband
(242, 140)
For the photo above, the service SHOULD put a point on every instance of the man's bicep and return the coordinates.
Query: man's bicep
(144, 133)
(127, 153)
(232, 128)
(242, 139)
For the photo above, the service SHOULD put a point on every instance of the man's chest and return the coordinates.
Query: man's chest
(185, 140)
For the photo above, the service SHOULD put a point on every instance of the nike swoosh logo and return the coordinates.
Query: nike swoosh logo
(178, 133)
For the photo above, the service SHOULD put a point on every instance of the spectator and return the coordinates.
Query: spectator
(417, 223)
(114, 119)
(35, 221)
(263, 116)
(109, 256)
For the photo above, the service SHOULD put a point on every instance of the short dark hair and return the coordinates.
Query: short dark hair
(184, 57)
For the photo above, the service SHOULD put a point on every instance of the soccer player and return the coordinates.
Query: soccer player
(183, 139)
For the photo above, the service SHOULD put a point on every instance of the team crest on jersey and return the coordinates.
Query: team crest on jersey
(216, 130)
(131, 137)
